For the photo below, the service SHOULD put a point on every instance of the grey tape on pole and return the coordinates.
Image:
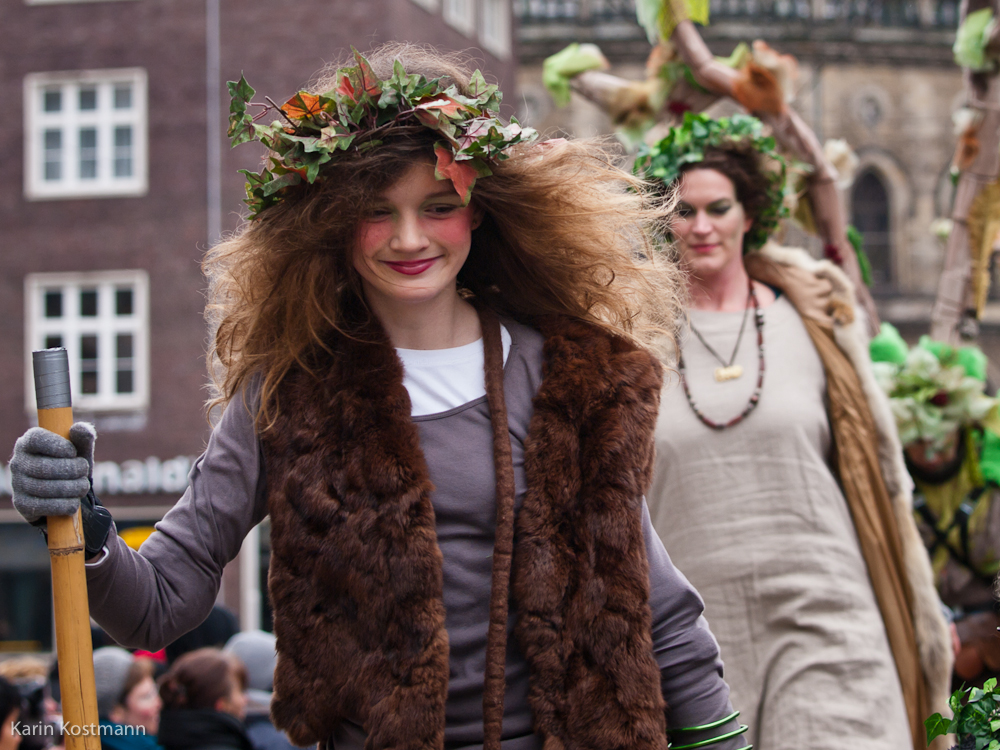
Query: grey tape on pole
(51, 367)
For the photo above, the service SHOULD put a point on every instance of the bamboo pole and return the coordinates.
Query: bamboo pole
(74, 648)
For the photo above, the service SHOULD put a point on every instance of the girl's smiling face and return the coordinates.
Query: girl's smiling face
(709, 223)
(414, 240)
(142, 706)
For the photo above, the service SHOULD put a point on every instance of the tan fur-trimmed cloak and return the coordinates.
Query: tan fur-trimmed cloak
(873, 475)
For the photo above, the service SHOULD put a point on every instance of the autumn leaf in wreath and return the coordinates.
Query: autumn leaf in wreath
(302, 106)
(461, 173)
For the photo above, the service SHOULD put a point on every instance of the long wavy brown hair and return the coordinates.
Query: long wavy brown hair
(565, 231)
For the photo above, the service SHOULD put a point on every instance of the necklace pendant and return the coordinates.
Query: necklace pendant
(722, 374)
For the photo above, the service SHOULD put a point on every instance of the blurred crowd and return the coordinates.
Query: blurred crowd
(210, 690)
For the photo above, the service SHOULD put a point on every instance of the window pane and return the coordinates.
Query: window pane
(123, 381)
(124, 367)
(88, 303)
(870, 215)
(123, 302)
(123, 346)
(123, 151)
(88, 364)
(52, 140)
(88, 153)
(123, 96)
(88, 98)
(25, 603)
(88, 348)
(53, 342)
(53, 304)
(52, 100)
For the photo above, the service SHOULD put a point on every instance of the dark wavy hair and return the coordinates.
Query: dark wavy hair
(753, 182)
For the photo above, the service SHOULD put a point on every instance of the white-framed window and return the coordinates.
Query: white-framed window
(102, 320)
(85, 134)
(431, 6)
(461, 15)
(494, 27)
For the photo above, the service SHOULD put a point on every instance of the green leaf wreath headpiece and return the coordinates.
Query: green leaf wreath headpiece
(687, 143)
(314, 129)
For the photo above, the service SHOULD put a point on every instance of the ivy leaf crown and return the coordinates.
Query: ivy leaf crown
(314, 129)
(687, 143)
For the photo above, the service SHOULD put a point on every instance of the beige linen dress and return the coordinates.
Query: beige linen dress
(755, 518)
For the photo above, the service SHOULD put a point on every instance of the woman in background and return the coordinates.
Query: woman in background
(779, 487)
(204, 702)
(128, 701)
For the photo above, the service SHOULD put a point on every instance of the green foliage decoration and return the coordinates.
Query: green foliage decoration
(313, 130)
(857, 241)
(971, 40)
(659, 18)
(567, 63)
(686, 144)
(933, 388)
(977, 718)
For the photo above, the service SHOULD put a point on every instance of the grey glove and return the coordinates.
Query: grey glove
(49, 474)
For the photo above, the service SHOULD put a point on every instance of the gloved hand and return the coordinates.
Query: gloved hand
(51, 476)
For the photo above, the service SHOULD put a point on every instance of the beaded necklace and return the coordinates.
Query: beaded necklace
(758, 317)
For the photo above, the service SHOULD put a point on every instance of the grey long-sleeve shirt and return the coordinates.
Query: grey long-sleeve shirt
(150, 598)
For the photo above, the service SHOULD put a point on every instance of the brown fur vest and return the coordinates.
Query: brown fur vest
(356, 572)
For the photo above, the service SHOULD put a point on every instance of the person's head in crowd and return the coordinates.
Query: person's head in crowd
(139, 702)
(206, 679)
(10, 713)
(256, 649)
(218, 627)
(29, 675)
(111, 669)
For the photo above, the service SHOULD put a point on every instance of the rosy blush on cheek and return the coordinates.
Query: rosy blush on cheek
(454, 229)
(372, 235)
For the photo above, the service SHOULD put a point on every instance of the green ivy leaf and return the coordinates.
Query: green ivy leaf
(279, 183)
(241, 92)
(936, 726)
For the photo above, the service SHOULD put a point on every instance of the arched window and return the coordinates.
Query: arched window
(870, 216)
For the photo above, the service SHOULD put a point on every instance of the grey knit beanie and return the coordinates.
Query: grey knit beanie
(111, 666)
(255, 648)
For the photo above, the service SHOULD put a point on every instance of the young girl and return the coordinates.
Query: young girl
(445, 405)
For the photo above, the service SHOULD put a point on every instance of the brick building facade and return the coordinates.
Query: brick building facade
(118, 175)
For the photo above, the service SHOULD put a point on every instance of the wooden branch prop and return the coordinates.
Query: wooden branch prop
(615, 95)
(794, 136)
(959, 303)
(74, 648)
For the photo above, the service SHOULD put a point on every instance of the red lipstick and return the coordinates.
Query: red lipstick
(410, 267)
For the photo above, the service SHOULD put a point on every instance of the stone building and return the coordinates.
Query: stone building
(117, 176)
(877, 73)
